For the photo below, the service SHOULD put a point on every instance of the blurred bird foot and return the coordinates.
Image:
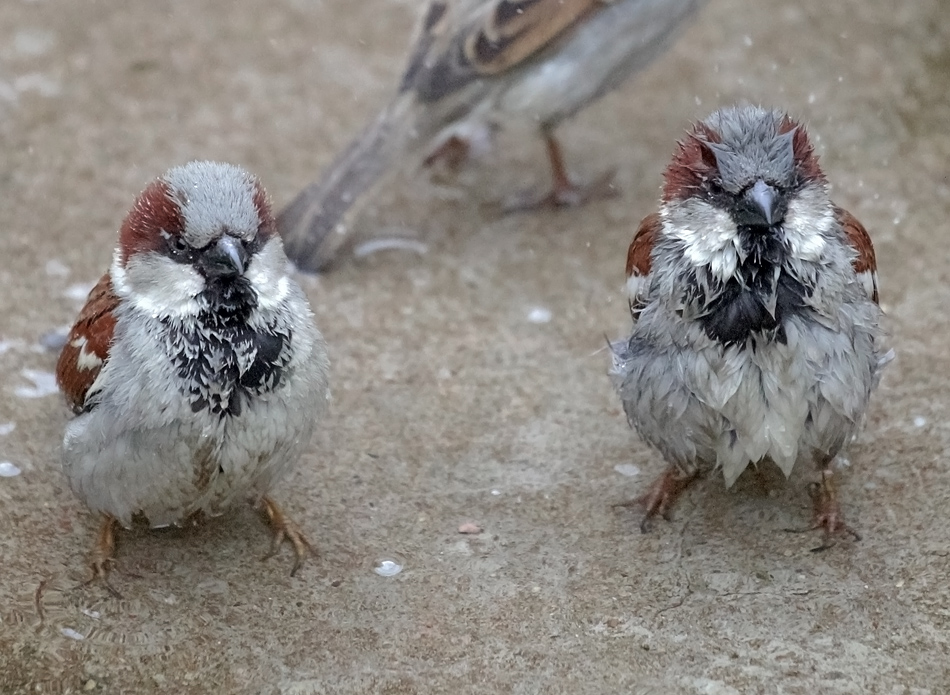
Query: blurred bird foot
(828, 516)
(564, 191)
(102, 558)
(565, 194)
(661, 496)
(285, 529)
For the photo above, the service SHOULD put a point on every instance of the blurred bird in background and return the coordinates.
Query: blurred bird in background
(476, 65)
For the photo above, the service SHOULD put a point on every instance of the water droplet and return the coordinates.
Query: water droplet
(539, 315)
(33, 42)
(387, 568)
(496, 492)
(72, 634)
(627, 469)
(920, 421)
(54, 340)
(8, 470)
(6, 428)
(56, 268)
(78, 292)
(44, 85)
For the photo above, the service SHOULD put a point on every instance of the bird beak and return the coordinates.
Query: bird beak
(226, 258)
(764, 197)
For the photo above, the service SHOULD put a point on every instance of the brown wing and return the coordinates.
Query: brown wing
(865, 265)
(87, 347)
(640, 263)
(461, 41)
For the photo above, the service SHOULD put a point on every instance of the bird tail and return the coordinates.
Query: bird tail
(315, 225)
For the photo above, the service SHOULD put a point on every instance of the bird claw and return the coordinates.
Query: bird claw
(833, 525)
(100, 572)
(659, 499)
(827, 514)
(285, 529)
(564, 194)
(103, 560)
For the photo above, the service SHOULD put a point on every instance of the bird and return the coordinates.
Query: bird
(477, 65)
(194, 370)
(756, 325)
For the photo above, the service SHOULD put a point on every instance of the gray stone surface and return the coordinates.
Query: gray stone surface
(449, 404)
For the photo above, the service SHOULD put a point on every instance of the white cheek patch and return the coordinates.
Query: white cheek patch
(808, 222)
(157, 285)
(710, 237)
(267, 274)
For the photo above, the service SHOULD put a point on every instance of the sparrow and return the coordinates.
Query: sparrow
(195, 370)
(474, 66)
(754, 300)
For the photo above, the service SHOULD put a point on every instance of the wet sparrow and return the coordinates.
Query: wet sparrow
(195, 370)
(756, 326)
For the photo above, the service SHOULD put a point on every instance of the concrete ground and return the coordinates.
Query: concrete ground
(454, 400)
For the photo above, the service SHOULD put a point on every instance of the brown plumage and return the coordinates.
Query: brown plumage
(87, 347)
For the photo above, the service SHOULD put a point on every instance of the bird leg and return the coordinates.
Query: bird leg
(564, 192)
(103, 554)
(828, 515)
(285, 529)
(662, 494)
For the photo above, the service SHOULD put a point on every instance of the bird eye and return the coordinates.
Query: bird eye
(252, 246)
(176, 246)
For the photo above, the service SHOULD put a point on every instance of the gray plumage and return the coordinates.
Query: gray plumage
(794, 392)
(213, 196)
(751, 147)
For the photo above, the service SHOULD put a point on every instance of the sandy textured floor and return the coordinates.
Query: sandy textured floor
(450, 405)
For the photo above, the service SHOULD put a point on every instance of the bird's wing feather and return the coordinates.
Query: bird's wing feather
(87, 347)
(640, 262)
(865, 263)
(462, 41)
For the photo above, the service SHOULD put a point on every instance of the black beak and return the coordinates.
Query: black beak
(764, 201)
(226, 258)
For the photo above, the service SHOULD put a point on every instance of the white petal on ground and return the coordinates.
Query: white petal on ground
(8, 470)
(44, 384)
(539, 315)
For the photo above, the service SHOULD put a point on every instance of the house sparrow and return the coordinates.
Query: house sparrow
(194, 369)
(756, 325)
(475, 65)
